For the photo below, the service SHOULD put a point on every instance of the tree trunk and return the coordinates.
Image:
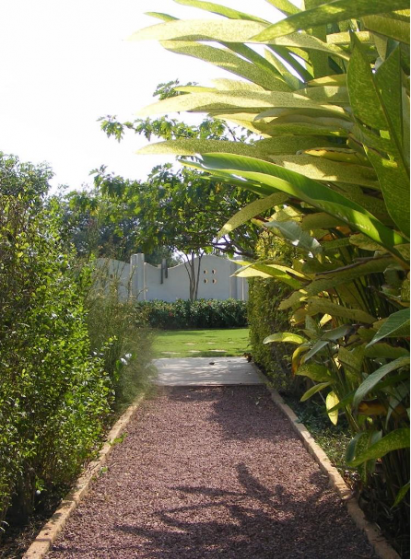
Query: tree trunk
(193, 274)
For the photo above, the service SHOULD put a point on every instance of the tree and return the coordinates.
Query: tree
(102, 226)
(174, 207)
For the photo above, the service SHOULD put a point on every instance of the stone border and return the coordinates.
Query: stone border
(336, 481)
(53, 527)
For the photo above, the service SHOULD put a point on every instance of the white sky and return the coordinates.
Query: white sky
(65, 63)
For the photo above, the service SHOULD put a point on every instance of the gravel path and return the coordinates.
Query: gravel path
(211, 472)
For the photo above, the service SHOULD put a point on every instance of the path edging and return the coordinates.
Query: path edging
(53, 527)
(336, 481)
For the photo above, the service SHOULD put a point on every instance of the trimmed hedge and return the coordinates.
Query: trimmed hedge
(264, 318)
(54, 394)
(200, 314)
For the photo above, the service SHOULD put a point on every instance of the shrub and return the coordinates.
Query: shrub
(120, 334)
(54, 397)
(265, 318)
(199, 314)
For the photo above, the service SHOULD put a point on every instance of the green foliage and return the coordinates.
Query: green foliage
(54, 396)
(101, 225)
(120, 335)
(199, 314)
(347, 207)
(265, 318)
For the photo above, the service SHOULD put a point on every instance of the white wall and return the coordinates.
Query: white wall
(146, 282)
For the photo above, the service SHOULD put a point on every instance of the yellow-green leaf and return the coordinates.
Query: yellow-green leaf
(327, 13)
(285, 337)
(330, 402)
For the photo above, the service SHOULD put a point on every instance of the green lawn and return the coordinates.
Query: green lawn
(200, 343)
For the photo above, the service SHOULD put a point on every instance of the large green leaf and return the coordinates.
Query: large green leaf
(374, 378)
(352, 360)
(401, 494)
(232, 31)
(257, 173)
(298, 128)
(373, 204)
(200, 29)
(391, 25)
(397, 324)
(320, 220)
(220, 10)
(316, 372)
(337, 95)
(322, 169)
(230, 62)
(376, 102)
(294, 299)
(191, 147)
(398, 439)
(285, 6)
(298, 123)
(289, 144)
(322, 305)
(327, 13)
(301, 70)
(285, 337)
(348, 274)
(326, 338)
(252, 210)
(249, 54)
(246, 101)
(261, 149)
(384, 350)
(292, 232)
(315, 389)
(344, 38)
(279, 272)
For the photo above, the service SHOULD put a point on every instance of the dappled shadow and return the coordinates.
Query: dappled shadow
(212, 473)
(243, 413)
(251, 522)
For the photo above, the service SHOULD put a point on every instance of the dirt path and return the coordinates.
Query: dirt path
(211, 472)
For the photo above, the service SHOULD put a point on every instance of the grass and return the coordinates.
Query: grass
(200, 343)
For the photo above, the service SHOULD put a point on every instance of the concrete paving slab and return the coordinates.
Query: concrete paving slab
(206, 371)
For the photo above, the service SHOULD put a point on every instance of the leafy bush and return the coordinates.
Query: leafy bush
(54, 396)
(265, 318)
(199, 314)
(120, 334)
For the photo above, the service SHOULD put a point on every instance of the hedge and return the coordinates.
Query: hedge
(200, 314)
(54, 394)
(264, 318)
